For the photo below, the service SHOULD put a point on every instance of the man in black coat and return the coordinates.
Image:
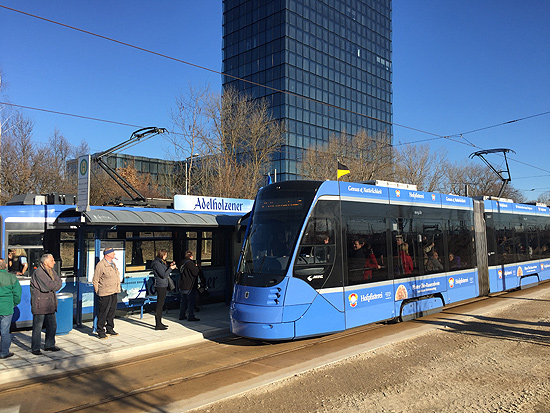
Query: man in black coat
(188, 287)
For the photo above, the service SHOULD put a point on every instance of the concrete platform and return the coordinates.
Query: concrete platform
(82, 349)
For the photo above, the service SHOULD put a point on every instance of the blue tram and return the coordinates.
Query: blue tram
(203, 224)
(322, 257)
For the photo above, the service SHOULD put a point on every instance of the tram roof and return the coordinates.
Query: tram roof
(141, 217)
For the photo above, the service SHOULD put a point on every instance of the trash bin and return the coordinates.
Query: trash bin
(64, 316)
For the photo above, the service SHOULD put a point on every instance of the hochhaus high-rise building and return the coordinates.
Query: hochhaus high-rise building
(332, 56)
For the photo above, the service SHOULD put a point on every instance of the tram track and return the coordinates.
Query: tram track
(210, 367)
(233, 341)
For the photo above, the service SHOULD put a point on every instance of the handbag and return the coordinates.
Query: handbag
(171, 286)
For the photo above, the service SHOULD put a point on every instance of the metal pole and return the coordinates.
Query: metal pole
(186, 177)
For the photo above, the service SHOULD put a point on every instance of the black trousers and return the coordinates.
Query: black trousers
(48, 322)
(161, 297)
(106, 313)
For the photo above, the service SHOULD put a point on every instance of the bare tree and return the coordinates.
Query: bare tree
(416, 164)
(18, 155)
(52, 164)
(544, 198)
(481, 181)
(366, 157)
(191, 121)
(235, 137)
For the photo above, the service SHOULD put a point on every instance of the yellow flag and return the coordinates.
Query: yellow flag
(342, 170)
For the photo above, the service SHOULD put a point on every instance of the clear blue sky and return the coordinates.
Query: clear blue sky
(458, 65)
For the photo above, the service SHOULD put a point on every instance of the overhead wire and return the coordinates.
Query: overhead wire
(69, 114)
(210, 70)
(436, 136)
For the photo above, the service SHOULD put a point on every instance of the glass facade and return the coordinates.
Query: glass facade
(331, 58)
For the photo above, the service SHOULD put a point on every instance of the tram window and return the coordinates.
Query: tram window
(432, 248)
(366, 250)
(316, 253)
(520, 240)
(525, 238)
(318, 230)
(18, 261)
(317, 250)
(111, 234)
(533, 243)
(505, 246)
(539, 246)
(459, 245)
(25, 238)
(544, 251)
(406, 248)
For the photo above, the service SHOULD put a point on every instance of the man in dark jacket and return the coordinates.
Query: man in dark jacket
(188, 287)
(10, 296)
(44, 283)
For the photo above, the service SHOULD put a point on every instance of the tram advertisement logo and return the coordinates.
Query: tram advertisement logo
(353, 298)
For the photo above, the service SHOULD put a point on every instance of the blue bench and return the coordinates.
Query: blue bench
(143, 301)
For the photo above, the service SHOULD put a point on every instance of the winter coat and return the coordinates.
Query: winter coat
(10, 292)
(188, 276)
(44, 284)
(106, 278)
(162, 272)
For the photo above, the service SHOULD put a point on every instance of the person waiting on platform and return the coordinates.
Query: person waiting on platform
(187, 285)
(44, 284)
(162, 271)
(10, 296)
(107, 286)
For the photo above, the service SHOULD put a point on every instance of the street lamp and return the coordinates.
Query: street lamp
(188, 171)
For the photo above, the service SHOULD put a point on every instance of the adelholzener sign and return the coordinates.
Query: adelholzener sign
(212, 204)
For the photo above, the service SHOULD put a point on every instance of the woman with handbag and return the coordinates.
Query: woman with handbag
(162, 280)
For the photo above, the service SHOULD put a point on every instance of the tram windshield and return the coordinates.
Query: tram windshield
(279, 214)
